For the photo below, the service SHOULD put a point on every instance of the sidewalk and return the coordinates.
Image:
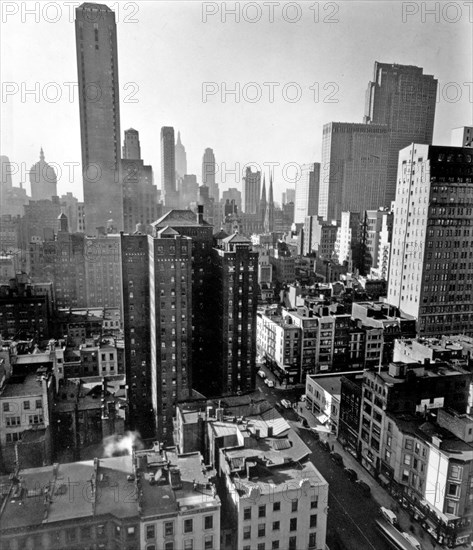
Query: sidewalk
(379, 494)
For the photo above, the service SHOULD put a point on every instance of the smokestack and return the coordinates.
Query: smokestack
(200, 214)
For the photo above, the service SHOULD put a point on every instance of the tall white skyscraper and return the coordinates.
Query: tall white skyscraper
(431, 270)
(307, 192)
(181, 158)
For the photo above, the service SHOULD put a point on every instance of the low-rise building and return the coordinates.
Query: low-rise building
(323, 399)
(151, 499)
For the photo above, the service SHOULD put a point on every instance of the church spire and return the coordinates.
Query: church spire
(263, 203)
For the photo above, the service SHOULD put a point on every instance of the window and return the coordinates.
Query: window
(85, 532)
(407, 460)
(294, 506)
(246, 513)
(39, 404)
(312, 540)
(275, 545)
(452, 490)
(262, 511)
(276, 506)
(6, 407)
(150, 532)
(455, 471)
(188, 544)
(293, 524)
(247, 532)
(188, 526)
(130, 532)
(26, 405)
(313, 503)
(260, 546)
(208, 522)
(276, 525)
(169, 546)
(292, 543)
(208, 542)
(70, 535)
(168, 528)
(409, 444)
(100, 530)
(313, 521)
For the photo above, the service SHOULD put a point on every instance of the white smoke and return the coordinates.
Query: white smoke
(118, 445)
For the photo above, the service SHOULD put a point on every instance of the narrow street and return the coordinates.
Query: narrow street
(352, 515)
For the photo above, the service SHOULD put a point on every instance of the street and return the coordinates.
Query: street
(351, 517)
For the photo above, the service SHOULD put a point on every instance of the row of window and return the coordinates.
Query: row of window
(188, 527)
(291, 546)
(10, 407)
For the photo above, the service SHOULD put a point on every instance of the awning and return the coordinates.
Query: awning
(323, 418)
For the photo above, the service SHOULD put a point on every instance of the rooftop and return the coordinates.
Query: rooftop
(331, 384)
(163, 481)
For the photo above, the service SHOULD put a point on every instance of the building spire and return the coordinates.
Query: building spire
(41, 154)
(271, 197)
(179, 138)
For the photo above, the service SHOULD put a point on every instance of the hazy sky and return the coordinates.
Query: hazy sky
(167, 52)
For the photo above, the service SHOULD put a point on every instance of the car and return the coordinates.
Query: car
(303, 397)
(364, 487)
(389, 515)
(351, 474)
(269, 383)
(261, 374)
(324, 444)
(337, 458)
(412, 540)
(286, 404)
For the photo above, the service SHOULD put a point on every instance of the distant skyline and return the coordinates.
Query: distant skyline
(167, 55)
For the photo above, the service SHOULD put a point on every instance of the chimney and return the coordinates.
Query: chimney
(200, 214)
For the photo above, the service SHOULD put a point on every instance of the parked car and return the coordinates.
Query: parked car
(269, 383)
(364, 487)
(286, 404)
(261, 374)
(337, 458)
(412, 540)
(303, 397)
(325, 444)
(351, 474)
(389, 515)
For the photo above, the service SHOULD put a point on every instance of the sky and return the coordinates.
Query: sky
(178, 62)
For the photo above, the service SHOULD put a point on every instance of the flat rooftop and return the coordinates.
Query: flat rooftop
(331, 384)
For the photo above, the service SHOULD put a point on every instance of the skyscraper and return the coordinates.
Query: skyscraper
(99, 103)
(140, 195)
(306, 195)
(168, 166)
(269, 213)
(353, 171)
(43, 180)
(234, 303)
(181, 158)
(251, 191)
(209, 171)
(431, 271)
(403, 98)
(131, 145)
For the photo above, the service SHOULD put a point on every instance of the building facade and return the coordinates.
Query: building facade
(431, 271)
